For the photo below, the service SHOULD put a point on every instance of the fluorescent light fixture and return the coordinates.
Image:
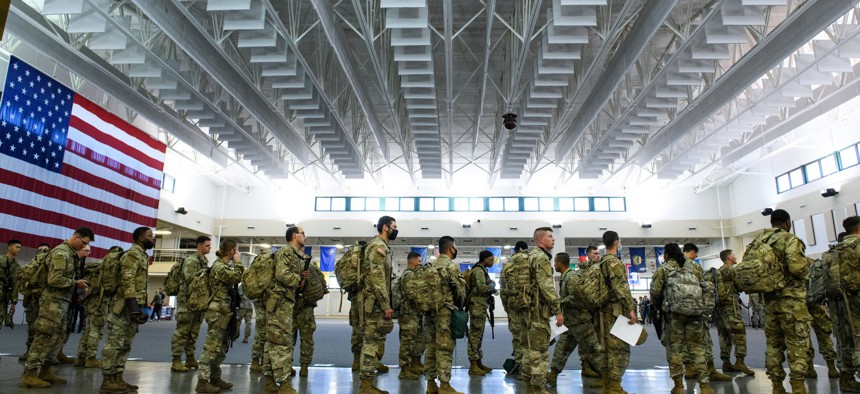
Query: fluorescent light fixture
(431, 247)
(162, 232)
(339, 246)
(265, 246)
(507, 247)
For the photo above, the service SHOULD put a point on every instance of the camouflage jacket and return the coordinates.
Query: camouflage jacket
(539, 261)
(727, 293)
(61, 272)
(619, 289)
(133, 272)
(377, 281)
(505, 278)
(572, 315)
(791, 251)
(8, 272)
(407, 282)
(287, 272)
(223, 276)
(658, 282)
(453, 284)
(190, 266)
(482, 287)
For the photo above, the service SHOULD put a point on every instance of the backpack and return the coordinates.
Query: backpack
(348, 269)
(314, 289)
(761, 270)
(470, 281)
(200, 292)
(816, 288)
(683, 294)
(33, 276)
(175, 278)
(260, 275)
(840, 260)
(517, 280)
(709, 290)
(423, 288)
(589, 286)
(108, 276)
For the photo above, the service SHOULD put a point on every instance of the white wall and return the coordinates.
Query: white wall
(194, 191)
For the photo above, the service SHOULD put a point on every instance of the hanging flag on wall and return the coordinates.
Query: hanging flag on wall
(497, 262)
(65, 162)
(637, 259)
(658, 255)
(309, 250)
(422, 250)
(327, 258)
(583, 256)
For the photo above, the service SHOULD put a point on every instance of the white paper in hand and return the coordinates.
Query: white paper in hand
(626, 332)
(554, 329)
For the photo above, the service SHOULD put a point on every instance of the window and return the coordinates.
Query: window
(828, 165)
(476, 204)
(356, 204)
(848, 156)
(531, 204)
(442, 204)
(407, 204)
(565, 204)
(425, 204)
(338, 204)
(461, 204)
(496, 204)
(372, 203)
(323, 204)
(547, 204)
(601, 204)
(168, 183)
(616, 204)
(512, 204)
(581, 204)
(796, 177)
(392, 204)
(813, 171)
(782, 183)
(479, 204)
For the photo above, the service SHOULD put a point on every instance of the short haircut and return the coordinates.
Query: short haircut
(779, 216)
(291, 231)
(673, 252)
(841, 236)
(563, 258)
(691, 247)
(590, 248)
(725, 254)
(413, 255)
(202, 239)
(521, 245)
(540, 231)
(445, 243)
(385, 220)
(115, 248)
(609, 238)
(85, 232)
(484, 254)
(851, 224)
(139, 232)
(43, 244)
(13, 242)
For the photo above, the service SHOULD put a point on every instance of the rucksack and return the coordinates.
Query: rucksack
(175, 278)
(348, 269)
(314, 287)
(709, 290)
(590, 287)
(517, 280)
(760, 271)
(469, 278)
(260, 275)
(423, 288)
(33, 276)
(200, 292)
(816, 286)
(108, 276)
(842, 263)
(683, 293)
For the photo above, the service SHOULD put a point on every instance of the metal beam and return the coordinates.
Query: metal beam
(489, 10)
(449, 84)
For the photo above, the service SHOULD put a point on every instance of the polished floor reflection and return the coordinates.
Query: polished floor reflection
(155, 377)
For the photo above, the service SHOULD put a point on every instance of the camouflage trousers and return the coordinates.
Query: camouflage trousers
(516, 325)
(121, 332)
(477, 323)
(536, 353)
(185, 336)
(279, 339)
(616, 352)
(578, 334)
(411, 338)
(731, 332)
(215, 347)
(439, 358)
(757, 317)
(247, 315)
(786, 328)
(304, 326)
(823, 327)
(376, 328)
(96, 306)
(355, 323)
(683, 336)
(48, 329)
(846, 322)
(31, 312)
(260, 334)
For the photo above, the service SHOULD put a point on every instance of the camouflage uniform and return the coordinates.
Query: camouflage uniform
(516, 316)
(681, 331)
(786, 323)
(823, 328)
(376, 297)
(260, 334)
(121, 329)
(846, 318)
(355, 323)
(222, 277)
(437, 324)
(617, 352)
(536, 357)
(8, 287)
(756, 311)
(730, 325)
(411, 333)
(187, 323)
(580, 328)
(482, 288)
(97, 310)
(305, 322)
(279, 314)
(245, 312)
(53, 307)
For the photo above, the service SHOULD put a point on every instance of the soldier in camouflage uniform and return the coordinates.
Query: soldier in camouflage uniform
(730, 325)
(578, 321)
(481, 288)
(53, 310)
(280, 308)
(125, 315)
(437, 324)
(786, 324)
(187, 322)
(8, 271)
(376, 301)
(410, 321)
(31, 305)
(616, 351)
(823, 328)
(257, 354)
(846, 307)
(226, 272)
(245, 312)
(756, 311)
(680, 330)
(303, 315)
(510, 289)
(691, 253)
(97, 309)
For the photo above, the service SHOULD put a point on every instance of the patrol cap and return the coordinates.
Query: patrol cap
(521, 245)
(642, 337)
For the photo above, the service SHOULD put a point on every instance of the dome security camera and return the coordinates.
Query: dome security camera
(509, 121)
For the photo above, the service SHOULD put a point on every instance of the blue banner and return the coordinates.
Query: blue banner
(327, 254)
(309, 250)
(637, 260)
(658, 255)
(583, 256)
(422, 251)
(497, 262)
(465, 266)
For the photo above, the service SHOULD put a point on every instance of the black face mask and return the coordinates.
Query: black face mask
(392, 235)
(455, 254)
(147, 245)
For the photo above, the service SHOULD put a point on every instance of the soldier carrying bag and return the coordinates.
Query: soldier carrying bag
(260, 275)
(684, 295)
(314, 289)
(200, 291)
(173, 281)
(760, 271)
(33, 276)
(348, 271)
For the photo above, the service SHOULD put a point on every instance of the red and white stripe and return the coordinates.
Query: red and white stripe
(110, 182)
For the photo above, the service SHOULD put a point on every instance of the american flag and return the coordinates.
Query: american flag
(66, 163)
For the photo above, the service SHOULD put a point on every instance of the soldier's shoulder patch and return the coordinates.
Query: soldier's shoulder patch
(614, 264)
(381, 251)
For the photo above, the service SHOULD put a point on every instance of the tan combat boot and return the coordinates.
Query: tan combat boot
(245, 339)
(679, 386)
(63, 358)
(356, 362)
(219, 383)
(256, 366)
(705, 388)
(484, 367)
(287, 388)
(269, 384)
(445, 388)
(80, 361)
(798, 386)
(847, 382)
(728, 367)
(47, 374)
(716, 376)
(407, 373)
(303, 371)
(381, 368)
(432, 388)
(128, 385)
(777, 387)
(588, 370)
(191, 362)
(367, 387)
(177, 366)
(111, 385)
(832, 371)
(31, 379)
(92, 362)
(810, 371)
(741, 366)
(204, 386)
(475, 370)
(552, 377)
